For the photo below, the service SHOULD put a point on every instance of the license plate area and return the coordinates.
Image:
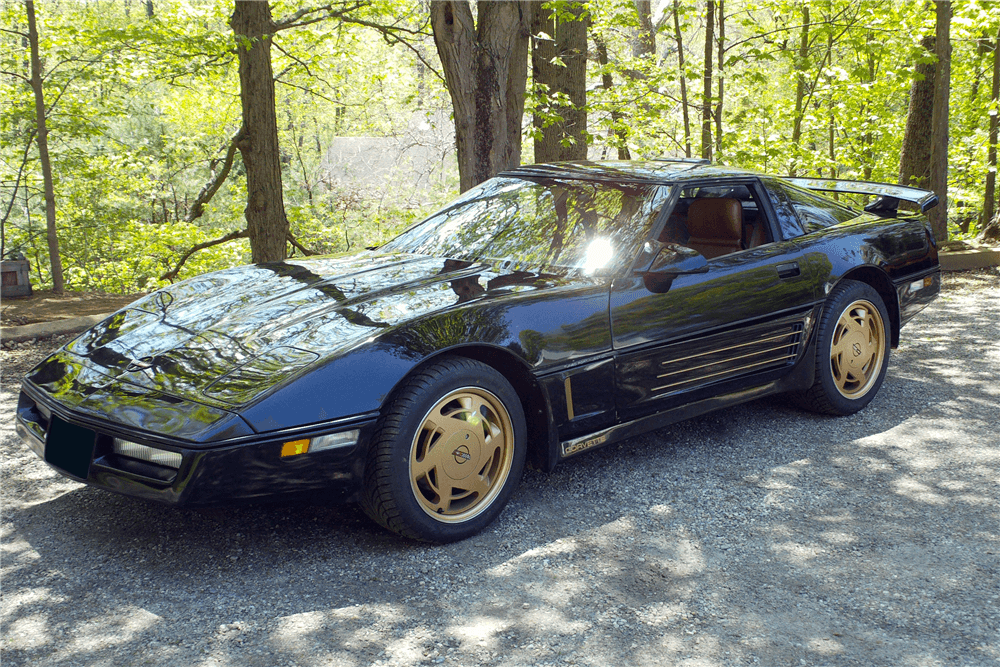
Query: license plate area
(69, 447)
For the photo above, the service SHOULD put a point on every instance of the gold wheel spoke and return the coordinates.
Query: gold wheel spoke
(478, 484)
(465, 449)
(445, 493)
(422, 468)
(434, 457)
(840, 348)
(473, 406)
(445, 425)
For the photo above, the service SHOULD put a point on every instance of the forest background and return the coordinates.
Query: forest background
(155, 140)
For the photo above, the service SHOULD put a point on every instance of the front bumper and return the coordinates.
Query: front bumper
(238, 470)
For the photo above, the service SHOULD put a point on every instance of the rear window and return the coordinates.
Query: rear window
(813, 211)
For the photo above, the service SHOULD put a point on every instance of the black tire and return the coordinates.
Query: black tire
(447, 454)
(852, 351)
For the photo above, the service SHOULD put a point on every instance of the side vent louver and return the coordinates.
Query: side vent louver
(751, 354)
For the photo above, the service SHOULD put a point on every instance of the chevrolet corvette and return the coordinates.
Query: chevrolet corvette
(547, 312)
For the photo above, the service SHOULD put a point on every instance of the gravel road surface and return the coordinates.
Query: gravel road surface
(756, 535)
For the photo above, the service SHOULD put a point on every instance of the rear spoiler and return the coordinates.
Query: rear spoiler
(888, 196)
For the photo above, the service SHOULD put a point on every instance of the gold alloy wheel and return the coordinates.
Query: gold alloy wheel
(857, 349)
(461, 455)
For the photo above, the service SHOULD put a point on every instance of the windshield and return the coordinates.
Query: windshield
(594, 226)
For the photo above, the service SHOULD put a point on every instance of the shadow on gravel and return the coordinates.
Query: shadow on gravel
(757, 531)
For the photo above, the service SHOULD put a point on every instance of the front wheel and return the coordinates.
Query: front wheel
(852, 351)
(448, 452)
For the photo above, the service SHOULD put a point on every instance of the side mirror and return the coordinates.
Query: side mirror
(676, 260)
(671, 261)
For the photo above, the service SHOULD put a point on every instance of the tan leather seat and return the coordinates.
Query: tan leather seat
(753, 235)
(716, 226)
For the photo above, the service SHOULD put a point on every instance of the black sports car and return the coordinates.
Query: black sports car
(546, 312)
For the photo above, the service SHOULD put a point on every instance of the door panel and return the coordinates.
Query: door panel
(743, 318)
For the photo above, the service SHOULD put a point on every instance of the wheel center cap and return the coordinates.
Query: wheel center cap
(855, 349)
(464, 452)
(462, 455)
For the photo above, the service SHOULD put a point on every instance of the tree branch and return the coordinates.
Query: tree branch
(830, 22)
(16, 76)
(307, 90)
(294, 22)
(299, 61)
(304, 250)
(389, 32)
(198, 206)
(17, 184)
(391, 38)
(172, 275)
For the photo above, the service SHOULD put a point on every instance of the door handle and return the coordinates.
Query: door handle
(789, 270)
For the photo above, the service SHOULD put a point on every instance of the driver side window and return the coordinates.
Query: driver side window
(717, 220)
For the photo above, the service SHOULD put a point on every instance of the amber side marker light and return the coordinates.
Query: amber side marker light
(918, 285)
(294, 448)
(320, 443)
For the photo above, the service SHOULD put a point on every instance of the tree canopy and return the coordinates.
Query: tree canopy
(145, 108)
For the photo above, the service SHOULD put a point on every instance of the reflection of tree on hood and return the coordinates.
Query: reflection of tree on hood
(466, 287)
(469, 287)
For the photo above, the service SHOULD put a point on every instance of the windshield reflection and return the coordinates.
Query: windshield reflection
(588, 225)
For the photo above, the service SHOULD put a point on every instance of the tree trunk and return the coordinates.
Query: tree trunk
(915, 156)
(800, 89)
(485, 70)
(991, 221)
(722, 56)
(644, 41)
(563, 139)
(983, 47)
(868, 137)
(617, 130)
(43, 152)
(265, 211)
(706, 99)
(683, 79)
(832, 126)
(939, 122)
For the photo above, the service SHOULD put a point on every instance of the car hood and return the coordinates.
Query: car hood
(223, 339)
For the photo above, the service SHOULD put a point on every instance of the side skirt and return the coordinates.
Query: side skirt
(799, 379)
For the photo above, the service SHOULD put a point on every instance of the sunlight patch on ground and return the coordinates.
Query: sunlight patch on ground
(480, 629)
(838, 537)
(825, 646)
(41, 595)
(29, 632)
(558, 547)
(797, 553)
(124, 627)
(292, 627)
(688, 559)
(918, 491)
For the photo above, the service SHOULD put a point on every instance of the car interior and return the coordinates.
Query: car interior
(716, 221)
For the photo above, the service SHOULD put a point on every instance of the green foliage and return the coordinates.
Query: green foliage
(142, 110)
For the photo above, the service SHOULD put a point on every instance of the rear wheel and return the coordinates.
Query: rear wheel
(448, 453)
(852, 351)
